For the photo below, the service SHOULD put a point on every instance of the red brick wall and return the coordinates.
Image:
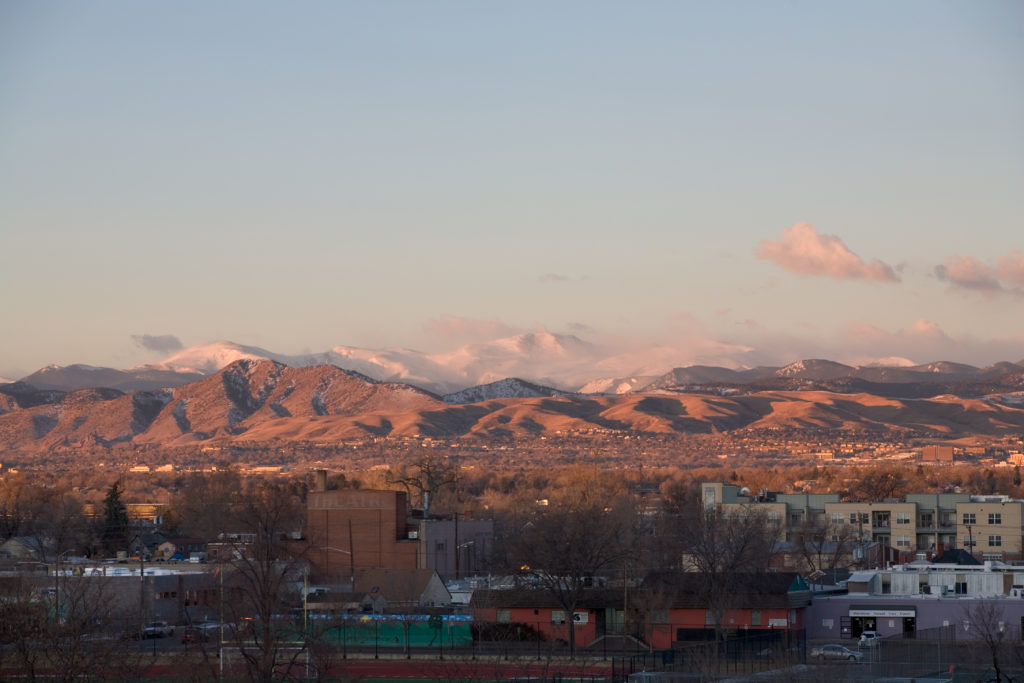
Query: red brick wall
(377, 522)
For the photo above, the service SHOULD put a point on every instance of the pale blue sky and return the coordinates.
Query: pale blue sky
(302, 175)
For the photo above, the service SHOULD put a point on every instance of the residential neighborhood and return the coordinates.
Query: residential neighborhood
(600, 573)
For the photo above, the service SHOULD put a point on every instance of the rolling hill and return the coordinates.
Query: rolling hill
(255, 401)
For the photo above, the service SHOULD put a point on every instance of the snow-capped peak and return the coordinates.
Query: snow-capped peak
(207, 359)
(889, 362)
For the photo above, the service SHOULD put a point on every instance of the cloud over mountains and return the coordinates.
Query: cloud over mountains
(803, 251)
(162, 343)
(968, 272)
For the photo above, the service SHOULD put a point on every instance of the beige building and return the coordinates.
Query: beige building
(989, 527)
(889, 523)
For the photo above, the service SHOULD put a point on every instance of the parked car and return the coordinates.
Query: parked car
(836, 652)
(158, 629)
(194, 634)
(869, 639)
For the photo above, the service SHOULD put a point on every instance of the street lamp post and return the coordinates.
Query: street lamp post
(56, 584)
(351, 563)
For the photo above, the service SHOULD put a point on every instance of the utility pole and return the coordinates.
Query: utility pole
(142, 593)
(457, 553)
(351, 557)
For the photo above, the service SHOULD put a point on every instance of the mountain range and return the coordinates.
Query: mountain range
(564, 363)
(262, 401)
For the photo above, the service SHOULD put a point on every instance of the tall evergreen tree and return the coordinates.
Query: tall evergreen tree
(115, 517)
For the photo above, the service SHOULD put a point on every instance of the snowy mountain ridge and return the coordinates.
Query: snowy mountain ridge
(546, 361)
(511, 387)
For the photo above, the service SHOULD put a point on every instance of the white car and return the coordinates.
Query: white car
(836, 652)
(869, 639)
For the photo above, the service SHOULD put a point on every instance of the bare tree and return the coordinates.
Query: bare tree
(986, 621)
(50, 516)
(65, 627)
(263, 584)
(880, 483)
(427, 474)
(566, 548)
(719, 547)
(203, 502)
(822, 544)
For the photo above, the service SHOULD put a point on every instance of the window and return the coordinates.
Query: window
(837, 518)
(504, 616)
(774, 517)
(995, 541)
(903, 518)
(903, 541)
(557, 617)
(969, 518)
(853, 518)
(796, 518)
(995, 518)
(886, 586)
(960, 587)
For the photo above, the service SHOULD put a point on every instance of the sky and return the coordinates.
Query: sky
(780, 180)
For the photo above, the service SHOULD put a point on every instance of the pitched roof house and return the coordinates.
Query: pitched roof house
(403, 589)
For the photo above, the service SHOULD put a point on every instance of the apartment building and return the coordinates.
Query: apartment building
(990, 527)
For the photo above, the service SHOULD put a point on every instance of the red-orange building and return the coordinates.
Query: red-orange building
(666, 609)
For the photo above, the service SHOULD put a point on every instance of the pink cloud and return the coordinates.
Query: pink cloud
(968, 272)
(1011, 268)
(859, 342)
(460, 330)
(803, 251)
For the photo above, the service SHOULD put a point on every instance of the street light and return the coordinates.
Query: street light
(351, 563)
(56, 584)
(352, 588)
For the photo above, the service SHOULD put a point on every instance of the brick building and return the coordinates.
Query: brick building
(352, 530)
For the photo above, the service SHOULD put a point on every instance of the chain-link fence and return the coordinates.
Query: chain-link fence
(946, 654)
